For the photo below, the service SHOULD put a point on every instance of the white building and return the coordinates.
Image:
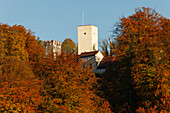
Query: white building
(88, 45)
(91, 58)
(87, 38)
(88, 49)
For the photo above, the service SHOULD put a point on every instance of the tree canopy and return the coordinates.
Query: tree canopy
(68, 46)
(138, 80)
(19, 87)
(142, 49)
(30, 82)
(69, 87)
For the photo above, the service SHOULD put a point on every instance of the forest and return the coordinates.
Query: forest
(31, 82)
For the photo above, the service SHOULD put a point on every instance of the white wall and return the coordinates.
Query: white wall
(93, 60)
(87, 38)
(99, 57)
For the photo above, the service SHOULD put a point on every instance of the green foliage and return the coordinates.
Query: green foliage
(68, 46)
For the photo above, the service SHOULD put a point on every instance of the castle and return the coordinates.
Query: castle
(87, 48)
(87, 41)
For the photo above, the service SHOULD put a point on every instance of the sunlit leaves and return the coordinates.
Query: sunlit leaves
(142, 44)
(13, 41)
(19, 89)
(69, 87)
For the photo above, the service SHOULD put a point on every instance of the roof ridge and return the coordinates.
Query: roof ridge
(91, 53)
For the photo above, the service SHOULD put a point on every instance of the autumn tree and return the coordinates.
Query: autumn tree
(143, 50)
(19, 88)
(115, 86)
(35, 51)
(13, 41)
(68, 46)
(69, 87)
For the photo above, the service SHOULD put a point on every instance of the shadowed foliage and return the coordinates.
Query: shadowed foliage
(141, 82)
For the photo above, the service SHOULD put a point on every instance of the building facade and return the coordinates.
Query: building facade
(91, 58)
(88, 46)
(87, 38)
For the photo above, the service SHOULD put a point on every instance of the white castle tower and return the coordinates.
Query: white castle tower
(87, 38)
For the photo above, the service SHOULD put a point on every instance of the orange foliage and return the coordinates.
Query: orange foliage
(144, 43)
(69, 87)
(19, 89)
(35, 52)
(12, 41)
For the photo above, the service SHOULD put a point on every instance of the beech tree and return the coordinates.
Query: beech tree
(143, 49)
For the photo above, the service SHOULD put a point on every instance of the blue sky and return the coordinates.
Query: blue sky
(58, 19)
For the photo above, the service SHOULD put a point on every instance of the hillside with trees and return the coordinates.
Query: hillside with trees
(141, 81)
(138, 81)
(31, 82)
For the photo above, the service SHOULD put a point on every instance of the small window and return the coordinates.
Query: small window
(84, 33)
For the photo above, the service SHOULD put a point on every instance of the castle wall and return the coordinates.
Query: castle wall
(52, 46)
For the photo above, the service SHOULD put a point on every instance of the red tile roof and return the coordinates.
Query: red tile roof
(106, 62)
(86, 54)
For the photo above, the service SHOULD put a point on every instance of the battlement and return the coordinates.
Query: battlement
(52, 42)
(52, 46)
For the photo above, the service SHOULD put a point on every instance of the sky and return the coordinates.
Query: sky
(58, 19)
